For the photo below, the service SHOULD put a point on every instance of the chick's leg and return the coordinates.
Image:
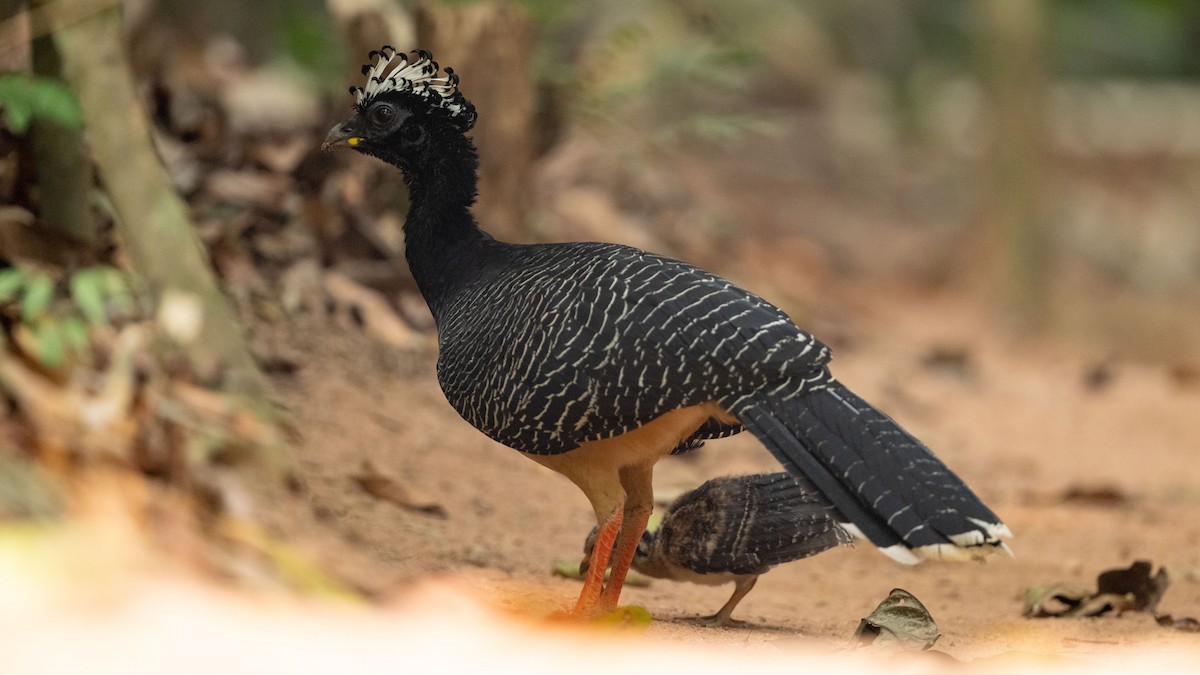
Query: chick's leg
(722, 617)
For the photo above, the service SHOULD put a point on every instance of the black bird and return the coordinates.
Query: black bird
(597, 360)
(734, 529)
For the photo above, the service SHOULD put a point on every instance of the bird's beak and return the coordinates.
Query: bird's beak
(584, 565)
(344, 135)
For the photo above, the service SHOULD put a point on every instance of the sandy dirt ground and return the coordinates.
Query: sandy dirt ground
(1027, 422)
(1024, 421)
(1092, 461)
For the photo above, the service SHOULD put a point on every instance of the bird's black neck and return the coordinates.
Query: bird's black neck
(442, 239)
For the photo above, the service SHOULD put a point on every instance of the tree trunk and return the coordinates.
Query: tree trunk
(1018, 217)
(152, 221)
(63, 170)
(490, 45)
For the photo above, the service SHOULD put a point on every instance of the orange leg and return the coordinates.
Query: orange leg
(589, 598)
(631, 534)
(637, 481)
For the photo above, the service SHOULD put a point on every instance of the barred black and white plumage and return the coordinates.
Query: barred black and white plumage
(890, 487)
(596, 360)
(599, 339)
(746, 525)
(733, 529)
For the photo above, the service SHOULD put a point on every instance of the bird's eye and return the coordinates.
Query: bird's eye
(382, 115)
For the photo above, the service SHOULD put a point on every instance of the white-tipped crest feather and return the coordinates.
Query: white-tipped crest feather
(396, 71)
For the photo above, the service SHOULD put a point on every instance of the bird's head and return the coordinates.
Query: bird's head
(644, 549)
(405, 107)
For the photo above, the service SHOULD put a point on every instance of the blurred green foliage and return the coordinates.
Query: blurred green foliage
(25, 98)
(1142, 39)
(27, 491)
(679, 57)
(309, 43)
(1085, 38)
(674, 62)
(294, 32)
(58, 326)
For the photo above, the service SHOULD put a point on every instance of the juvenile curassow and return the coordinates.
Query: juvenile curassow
(733, 530)
(597, 360)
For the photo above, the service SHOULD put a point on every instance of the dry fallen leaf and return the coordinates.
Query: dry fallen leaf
(1099, 376)
(899, 621)
(247, 188)
(386, 488)
(1186, 624)
(1118, 591)
(1054, 600)
(950, 359)
(378, 318)
(1136, 580)
(1184, 375)
(1104, 603)
(1095, 495)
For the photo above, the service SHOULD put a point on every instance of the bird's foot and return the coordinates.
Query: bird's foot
(717, 621)
(628, 615)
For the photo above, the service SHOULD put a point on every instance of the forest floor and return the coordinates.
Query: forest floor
(1091, 463)
(1091, 460)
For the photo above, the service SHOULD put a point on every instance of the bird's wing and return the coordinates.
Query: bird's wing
(748, 524)
(711, 429)
(622, 336)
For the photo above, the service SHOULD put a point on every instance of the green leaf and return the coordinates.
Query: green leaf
(308, 41)
(628, 616)
(75, 335)
(17, 115)
(11, 281)
(119, 291)
(654, 522)
(14, 98)
(88, 290)
(39, 291)
(567, 569)
(54, 102)
(49, 339)
(24, 98)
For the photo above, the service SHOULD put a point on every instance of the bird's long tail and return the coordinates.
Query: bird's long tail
(889, 487)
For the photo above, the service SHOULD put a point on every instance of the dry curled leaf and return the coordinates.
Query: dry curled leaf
(899, 621)
(377, 316)
(953, 360)
(1105, 603)
(247, 188)
(386, 488)
(1118, 591)
(1094, 495)
(1186, 624)
(1054, 600)
(1136, 580)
